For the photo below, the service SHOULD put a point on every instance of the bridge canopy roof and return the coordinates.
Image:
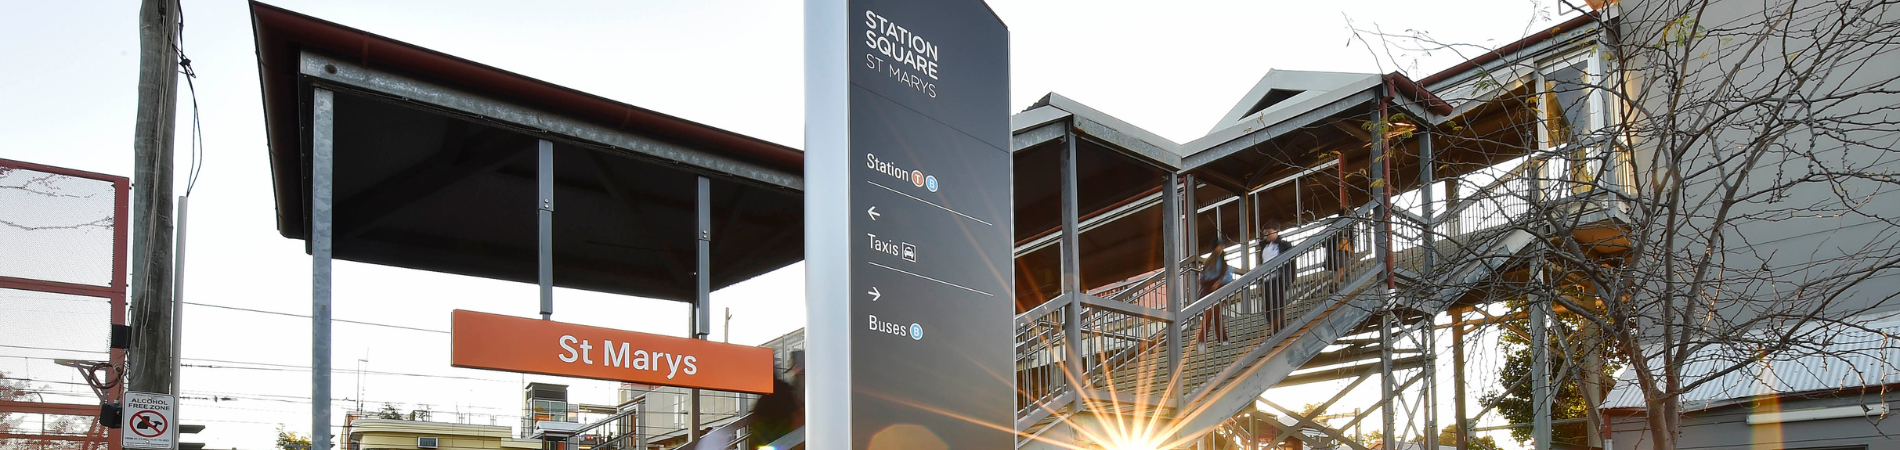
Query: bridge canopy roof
(435, 169)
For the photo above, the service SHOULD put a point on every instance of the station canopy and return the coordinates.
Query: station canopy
(435, 169)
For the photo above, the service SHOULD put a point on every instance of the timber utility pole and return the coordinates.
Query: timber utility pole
(150, 363)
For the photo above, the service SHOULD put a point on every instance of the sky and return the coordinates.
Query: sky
(1171, 67)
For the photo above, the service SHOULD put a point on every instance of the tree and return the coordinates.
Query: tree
(1450, 435)
(12, 390)
(1712, 190)
(290, 440)
(389, 412)
(19, 390)
(1569, 399)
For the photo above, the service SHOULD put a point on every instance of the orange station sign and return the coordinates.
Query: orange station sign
(517, 344)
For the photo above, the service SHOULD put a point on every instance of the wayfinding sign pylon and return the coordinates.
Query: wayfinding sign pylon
(908, 239)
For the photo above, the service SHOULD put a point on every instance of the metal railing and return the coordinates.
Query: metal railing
(1126, 353)
(1271, 297)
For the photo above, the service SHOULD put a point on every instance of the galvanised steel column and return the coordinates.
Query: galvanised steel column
(1246, 250)
(545, 263)
(1540, 341)
(1243, 219)
(1458, 378)
(1431, 381)
(1540, 370)
(1192, 221)
(322, 161)
(702, 298)
(1387, 386)
(1171, 254)
(1383, 245)
(1072, 269)
(1426, 184)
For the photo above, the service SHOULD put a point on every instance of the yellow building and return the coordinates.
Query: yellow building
(392, 434)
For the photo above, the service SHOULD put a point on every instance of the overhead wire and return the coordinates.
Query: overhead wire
(306, 316)
(197, 131)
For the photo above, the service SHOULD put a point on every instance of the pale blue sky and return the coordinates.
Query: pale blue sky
(1171, 67)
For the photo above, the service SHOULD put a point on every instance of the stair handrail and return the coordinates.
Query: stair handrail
(1272, 265)
(738, 429)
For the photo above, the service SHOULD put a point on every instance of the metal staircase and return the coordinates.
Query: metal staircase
(1276, 320)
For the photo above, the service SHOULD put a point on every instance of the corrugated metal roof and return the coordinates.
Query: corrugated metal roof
(1850, 358)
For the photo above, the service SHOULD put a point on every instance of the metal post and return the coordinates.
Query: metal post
(545, 178)
(1540, 341)
(1382, 162)
(1458, 379)
(1192, 220)
(151, 205)
(178, 309)
(1430, 385)
(1427, 182)
(1242, 219)
(1072, 269)
(322, 160)
(702, 298)
(1387, 385)
(639, 424)
(1246, 232)
(1540, 374)
(1171, 255)
(1383, 245)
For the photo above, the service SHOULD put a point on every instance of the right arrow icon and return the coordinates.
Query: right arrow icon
(872, 212)
(874, 293)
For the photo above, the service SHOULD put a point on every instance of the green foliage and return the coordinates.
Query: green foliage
(389, 412)
(290, 440)
(1682, 31)
(1568, 403)
(1391, 121)
(1449, 436)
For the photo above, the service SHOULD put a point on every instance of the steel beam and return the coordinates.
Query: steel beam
(1024, 140)
(1249, 140)
(337, 73)
(322, 162)
(1134, 146)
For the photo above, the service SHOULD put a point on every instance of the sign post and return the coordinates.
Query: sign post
(908, 233)
(148, 421)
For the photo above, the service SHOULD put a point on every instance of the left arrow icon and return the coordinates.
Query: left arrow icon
(872, 212)
(874, 293)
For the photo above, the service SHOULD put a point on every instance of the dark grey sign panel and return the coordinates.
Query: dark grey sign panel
(927, 178)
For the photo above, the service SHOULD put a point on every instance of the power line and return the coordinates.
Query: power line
(369, 372)
(28, 347)
(358, 322)
(276, 367)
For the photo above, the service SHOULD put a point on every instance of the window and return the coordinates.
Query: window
(1571, 112)
(550, 410)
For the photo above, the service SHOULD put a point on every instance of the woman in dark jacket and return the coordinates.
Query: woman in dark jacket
(1214, 273)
